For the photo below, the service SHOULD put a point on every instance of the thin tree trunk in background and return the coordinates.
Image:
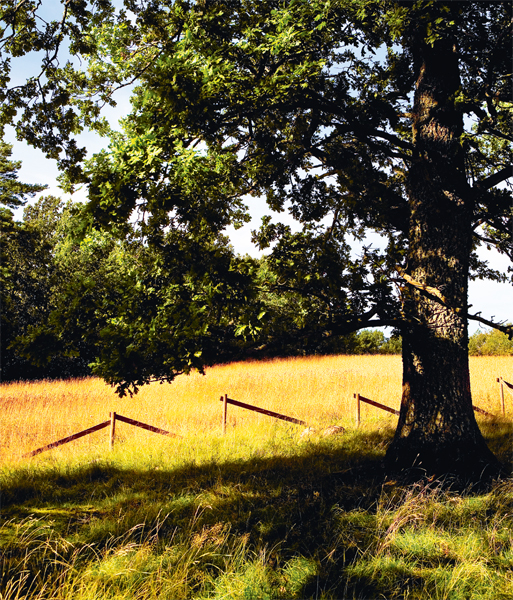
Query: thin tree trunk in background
(437, 432)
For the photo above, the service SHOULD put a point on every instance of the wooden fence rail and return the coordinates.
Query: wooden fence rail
(225, 400)
(70, 438)
(113, 417)
(482, 412)
(145, 426)
(360, 399)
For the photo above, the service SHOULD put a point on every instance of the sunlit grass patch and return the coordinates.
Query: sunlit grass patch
(424, 542)
(390, 577)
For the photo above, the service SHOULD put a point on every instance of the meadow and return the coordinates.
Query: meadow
(260, 512)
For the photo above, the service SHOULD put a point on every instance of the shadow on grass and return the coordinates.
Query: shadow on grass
(499, 435)
(318, 505)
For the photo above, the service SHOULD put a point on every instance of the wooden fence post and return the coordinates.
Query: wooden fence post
(357, 396)
(225, 411)
(499, 380)
(112, 416)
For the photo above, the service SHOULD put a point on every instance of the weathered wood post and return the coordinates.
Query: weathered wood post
(225, 411)
(112, 416)
(357, 396)
(499, 380)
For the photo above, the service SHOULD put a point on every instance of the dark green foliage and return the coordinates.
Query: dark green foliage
(71, 304)
(32, 287)
(77, 301)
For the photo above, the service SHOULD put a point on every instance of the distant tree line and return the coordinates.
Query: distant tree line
(490, 343)
(39, 276)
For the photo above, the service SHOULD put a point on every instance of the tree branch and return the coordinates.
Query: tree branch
(495, 179)
(364, 320)
(357, 324)
(507, 329)
(422, 286)
(364, 134)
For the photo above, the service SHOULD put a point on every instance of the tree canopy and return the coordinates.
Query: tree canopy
(355, 116)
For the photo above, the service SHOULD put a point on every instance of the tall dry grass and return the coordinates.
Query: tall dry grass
(317, 390)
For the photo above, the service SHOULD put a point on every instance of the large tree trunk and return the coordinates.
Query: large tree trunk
(437, 432)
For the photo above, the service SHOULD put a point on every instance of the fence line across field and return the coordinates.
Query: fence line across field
(225, 400)
(113, 417)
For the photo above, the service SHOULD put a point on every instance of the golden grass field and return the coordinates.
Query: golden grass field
(318, 390)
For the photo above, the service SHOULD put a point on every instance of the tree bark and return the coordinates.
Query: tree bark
(437, 433)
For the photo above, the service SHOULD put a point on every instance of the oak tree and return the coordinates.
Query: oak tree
(356, 116)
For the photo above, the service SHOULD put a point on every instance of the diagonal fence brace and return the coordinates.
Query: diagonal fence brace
(257, 409)
(70, 438)
(145, 426)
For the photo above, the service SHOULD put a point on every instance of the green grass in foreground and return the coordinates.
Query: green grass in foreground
(250, 516)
